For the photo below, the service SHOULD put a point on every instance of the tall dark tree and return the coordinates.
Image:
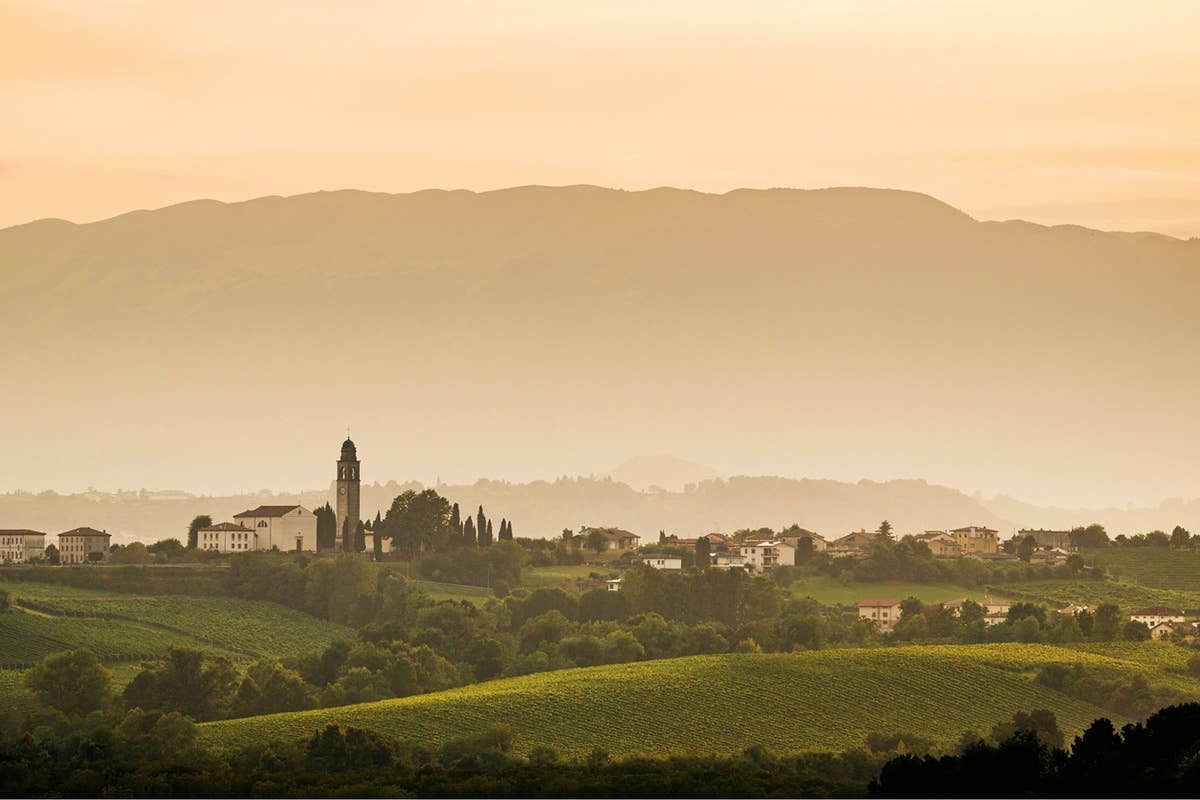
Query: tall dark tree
(201, 521)
(510, 533)
(349, 531)
(326, 527)
(487, 538)
(505, 530)
(481, 525)
(1025, 548)
(885, 529)
(469, 536)
(456, 525)
(703, 553)
(360, 537)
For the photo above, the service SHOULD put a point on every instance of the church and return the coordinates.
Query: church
(290, 527)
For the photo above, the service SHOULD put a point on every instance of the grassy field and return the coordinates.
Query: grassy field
(820, 700)
(832, 591)
(120, 627)
(564, 577)
(1157, 567)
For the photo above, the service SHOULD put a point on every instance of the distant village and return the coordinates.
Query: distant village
(294, 528)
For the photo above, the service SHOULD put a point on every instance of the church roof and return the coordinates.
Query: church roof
(266, 511)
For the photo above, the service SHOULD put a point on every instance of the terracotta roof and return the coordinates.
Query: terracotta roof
(225, 526)
(266, 511)
(20, 532)
(974, 528)
(610, 533)
(874, 603)
(1157, 611)
(86, 532)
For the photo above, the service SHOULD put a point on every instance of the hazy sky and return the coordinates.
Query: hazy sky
(1078, 111)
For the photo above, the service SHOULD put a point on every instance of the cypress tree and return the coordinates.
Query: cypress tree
(487, 538)
(456, 526)
(480, 525)
(469, 532)
(360, 537)
(510, 533)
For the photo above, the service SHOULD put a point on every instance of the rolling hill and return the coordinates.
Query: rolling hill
(818, 700)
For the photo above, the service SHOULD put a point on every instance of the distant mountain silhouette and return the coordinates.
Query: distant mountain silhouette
(664, 472)
(827, 332)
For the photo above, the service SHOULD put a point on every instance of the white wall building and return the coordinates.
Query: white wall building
(662, 562)
(226, 538)
(762, 556)
(283, 527)
(1155, 615)
(18, 546)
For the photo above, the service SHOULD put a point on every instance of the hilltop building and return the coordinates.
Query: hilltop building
(19, 546)
(614, 538)
(83, 546)
(762, 556)
(1050, 540)
(976, 539)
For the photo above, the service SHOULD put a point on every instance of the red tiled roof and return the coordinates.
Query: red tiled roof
(20, 532)
(266, 511)
(1157, 611)
(873, 603)
(85, 532)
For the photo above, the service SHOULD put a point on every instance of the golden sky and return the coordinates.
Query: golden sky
(1081, 111)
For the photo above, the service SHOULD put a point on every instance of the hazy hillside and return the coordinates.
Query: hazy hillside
(662, 472)
(541, 331)
(544, 508)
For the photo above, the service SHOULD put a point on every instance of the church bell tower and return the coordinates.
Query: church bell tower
(347, 489)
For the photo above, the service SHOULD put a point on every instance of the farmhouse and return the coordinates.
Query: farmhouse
(976, 539)
(83, 545)
(280, 527)
(613, 538)
(884, 613)
(762, 556)
(613, 584)
(661, 561)
(1164, 629)
(1154, 615)
(19, 546)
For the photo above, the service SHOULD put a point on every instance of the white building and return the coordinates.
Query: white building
(729, 561)
(1155, 615)
(282, 527)
(659, 561)
(613, 584)
(226, 538)
(18, 546)
(385, 546)
(83, 546)
(884, 613)
(762, 556)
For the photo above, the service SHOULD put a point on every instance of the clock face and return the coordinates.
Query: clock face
(341, 490)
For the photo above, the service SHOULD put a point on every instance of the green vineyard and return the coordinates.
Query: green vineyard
(1057, 594)
(1158, 567)
(134, 625)
(826, 700)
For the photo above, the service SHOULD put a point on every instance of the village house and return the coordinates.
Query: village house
(385, 545)
(940, 543)
(729, 561)
(661, 561)
(762, 556)
(793, 536)
(287, 528)
(613, 584)
(976, 539)
(852, 545)
(83, 546)
(614, 538)
(1048, 539)
(1164, 629)
(1073, 609)
(225, 537)
(884, 613)
(1052, 555)
(19, 546)
(1154, 615)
